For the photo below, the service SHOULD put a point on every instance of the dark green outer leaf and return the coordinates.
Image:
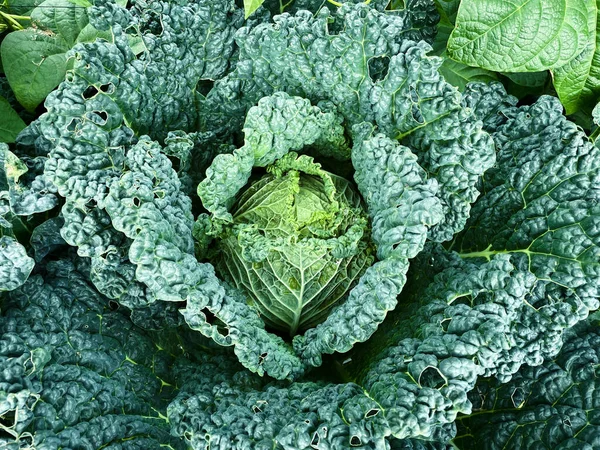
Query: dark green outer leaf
(76, 373)
(390, 81)
(554, 406)
(11, 123)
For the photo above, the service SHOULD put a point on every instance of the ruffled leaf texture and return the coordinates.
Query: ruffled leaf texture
(125, 205)
(552, 406)
(367, 63)
(482, 310)
(24, 194)
(77, 374)
(402, 205)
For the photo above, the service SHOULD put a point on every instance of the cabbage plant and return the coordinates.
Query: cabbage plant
(297, 242)
(292, 232)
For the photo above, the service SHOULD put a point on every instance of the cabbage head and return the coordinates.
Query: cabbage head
(298, 241)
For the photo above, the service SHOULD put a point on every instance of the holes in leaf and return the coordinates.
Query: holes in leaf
(108, 88)
(378, 67)
(262, 357)
(90, 92)
(567, 422)
(136, 202)
(102, 115)
(445, 323)
(98, 117)
(256, 409)
(212, 320)
(414, 97)
(461, 299)
(307, 422)
(73, 124)
(517, 398)
(371, 413)
(416, 114)
(431, 377)
(355, 441)
(314, 443)
(152, 23)
(203, 87)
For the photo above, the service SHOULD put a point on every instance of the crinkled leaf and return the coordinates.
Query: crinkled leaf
(87, 377)
(554, 405)
(391, 81)
(15, 264)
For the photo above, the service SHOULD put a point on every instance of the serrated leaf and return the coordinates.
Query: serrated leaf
(250, 6)
(11, 123)
(523, 35)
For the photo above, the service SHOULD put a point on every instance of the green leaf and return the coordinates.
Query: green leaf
(523, 35)
(35, 63)
(35, 59)
(528, 79)
(577, 83)
(15, 265)
(448, 9)
(60, 18)
(11, 123)
(82, 3)
(250, 6)
(553, 406)
(458, 74)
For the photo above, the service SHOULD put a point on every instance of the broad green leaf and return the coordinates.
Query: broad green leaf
(61, 18)
(35, 62)
(11, 124)
(82, 3)
(250, 6)
(455, 73)
(22, 7)
(577, 83)
(90, 34)
(528, 79)
(458, 74)
(522, 35)
(35, 59)
(448, 9)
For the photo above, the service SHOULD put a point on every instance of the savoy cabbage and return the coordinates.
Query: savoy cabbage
(291, 232)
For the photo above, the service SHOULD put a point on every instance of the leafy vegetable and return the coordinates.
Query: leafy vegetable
(554, 405)
(76, 373)
(293, 232)
(532, 36)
